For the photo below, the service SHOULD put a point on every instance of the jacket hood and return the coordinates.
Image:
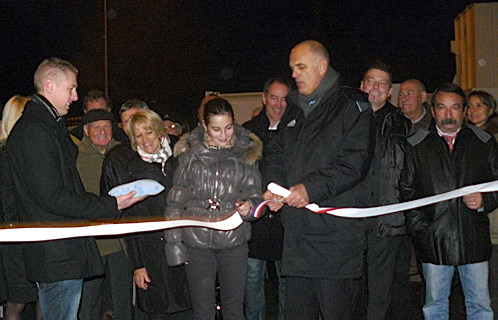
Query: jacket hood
(248, 147)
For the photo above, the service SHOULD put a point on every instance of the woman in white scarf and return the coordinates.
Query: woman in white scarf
(159, 270)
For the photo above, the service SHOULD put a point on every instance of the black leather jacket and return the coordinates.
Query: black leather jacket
(448, 232)
(223, 175)
(381, 185)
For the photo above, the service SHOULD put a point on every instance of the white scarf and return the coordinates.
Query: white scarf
(160, 157)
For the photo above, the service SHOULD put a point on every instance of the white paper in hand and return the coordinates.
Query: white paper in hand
(142, 187)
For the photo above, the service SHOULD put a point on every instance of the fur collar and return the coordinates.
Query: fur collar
(248, 148)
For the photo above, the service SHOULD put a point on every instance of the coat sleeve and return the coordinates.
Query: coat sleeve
(250, 189)
(415, 219)
(352, 162)
(490, 199)
(38, 162)
(176, 252)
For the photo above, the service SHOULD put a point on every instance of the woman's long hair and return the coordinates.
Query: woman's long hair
(12, 111)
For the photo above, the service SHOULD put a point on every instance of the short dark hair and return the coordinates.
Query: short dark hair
(217, 107)
(95, 95)
(450, 88)
(381, 65)
(485, 98)
(133, 104)
(271, 81)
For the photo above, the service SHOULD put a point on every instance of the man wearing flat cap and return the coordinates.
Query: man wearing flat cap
(92, 149)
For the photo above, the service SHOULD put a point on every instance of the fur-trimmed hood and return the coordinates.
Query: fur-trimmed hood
(248, 147)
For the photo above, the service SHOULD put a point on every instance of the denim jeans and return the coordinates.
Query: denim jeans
(255, 300)
(60, 300)
(474, 280)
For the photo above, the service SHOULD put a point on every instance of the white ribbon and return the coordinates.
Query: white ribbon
(398, 207)
(54, 233)
(232, 222)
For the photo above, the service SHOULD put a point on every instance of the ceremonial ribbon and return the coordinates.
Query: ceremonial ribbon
(232, 222)
(398, 207)
(54, 233)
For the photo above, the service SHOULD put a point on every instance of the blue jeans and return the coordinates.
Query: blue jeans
(60, 300)
(255, 300)
(474, 280)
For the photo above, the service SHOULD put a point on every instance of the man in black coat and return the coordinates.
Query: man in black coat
(267, 233)
(385, 235)
(49, 191)
(451, 234)
(320, 155)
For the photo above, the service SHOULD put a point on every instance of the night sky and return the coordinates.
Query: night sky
(169, 52)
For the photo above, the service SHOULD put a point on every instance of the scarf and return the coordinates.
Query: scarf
(308, 103)
(159, 157)
(211, 144)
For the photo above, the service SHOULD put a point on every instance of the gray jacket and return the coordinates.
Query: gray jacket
(208, 182)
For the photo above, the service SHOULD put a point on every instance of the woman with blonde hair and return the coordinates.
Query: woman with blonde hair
(20, 290)
(12, 111)
(158, 266)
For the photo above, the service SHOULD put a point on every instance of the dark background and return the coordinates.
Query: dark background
(169, 52)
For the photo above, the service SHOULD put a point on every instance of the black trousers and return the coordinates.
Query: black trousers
(117, 281)
(399, 309)
(231, 267)
(307, 298)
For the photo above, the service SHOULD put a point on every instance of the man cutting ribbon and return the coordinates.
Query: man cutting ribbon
(321, 156)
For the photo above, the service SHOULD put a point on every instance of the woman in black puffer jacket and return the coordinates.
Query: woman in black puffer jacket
(216, 176)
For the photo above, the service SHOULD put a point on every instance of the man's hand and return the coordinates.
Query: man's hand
(473, 201)
(127, 200)
(275, 205)
(141, 278)
(298, 197)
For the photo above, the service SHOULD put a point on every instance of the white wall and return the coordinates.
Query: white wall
(242, 103)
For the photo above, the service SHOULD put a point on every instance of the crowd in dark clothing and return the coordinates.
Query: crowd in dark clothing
(330, 145)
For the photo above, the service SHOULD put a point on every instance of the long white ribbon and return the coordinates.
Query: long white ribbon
(54, 233)
(378, 211)
(232, 222)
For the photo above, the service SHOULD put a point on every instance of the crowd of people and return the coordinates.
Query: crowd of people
(329, 144)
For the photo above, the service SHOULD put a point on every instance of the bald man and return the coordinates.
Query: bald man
(320, 155)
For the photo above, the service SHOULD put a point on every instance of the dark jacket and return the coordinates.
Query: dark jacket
(49, 191)
(167, 292)
(448, 232)
(327, 151)
(225, 176)
(267, 234)
(123, 165)
(381, 185)
(7, 203)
